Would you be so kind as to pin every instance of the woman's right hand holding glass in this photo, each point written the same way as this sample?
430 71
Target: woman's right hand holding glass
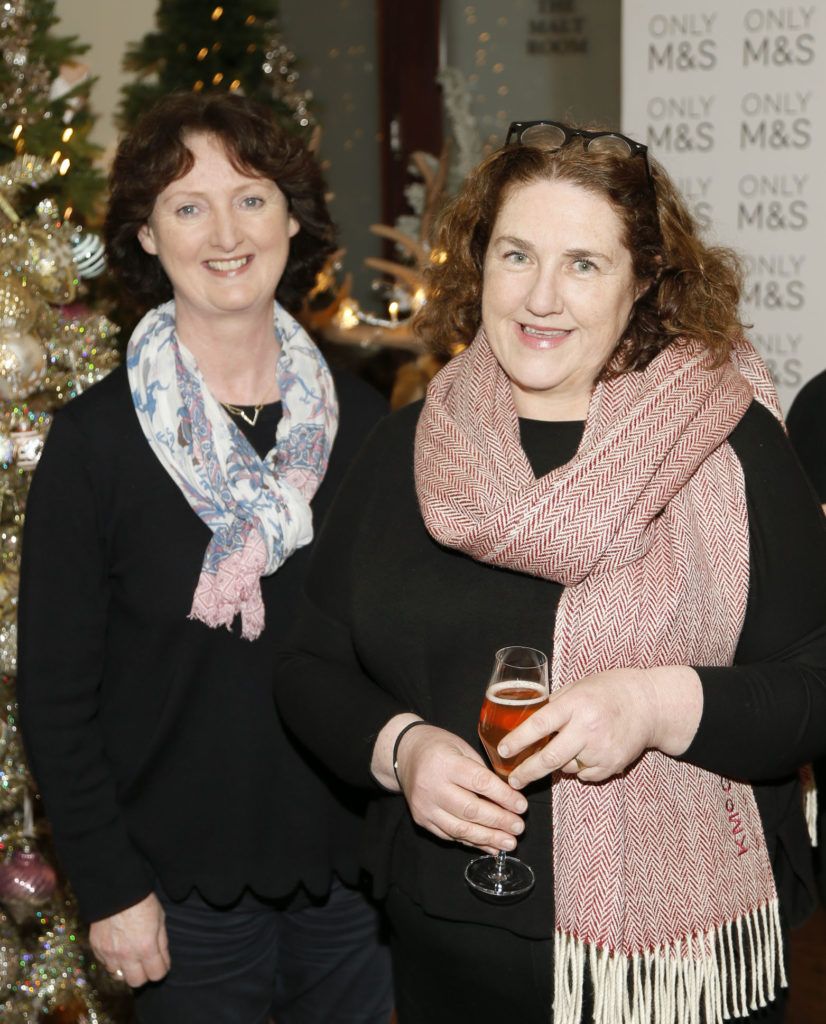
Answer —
450 790
600 724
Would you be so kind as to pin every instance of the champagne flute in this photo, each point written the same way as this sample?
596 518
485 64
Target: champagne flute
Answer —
516 689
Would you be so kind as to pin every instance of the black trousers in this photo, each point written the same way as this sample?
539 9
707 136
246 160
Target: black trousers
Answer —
246 964
451 972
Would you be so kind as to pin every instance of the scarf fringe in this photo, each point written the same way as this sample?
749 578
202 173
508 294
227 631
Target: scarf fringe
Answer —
726 973
810 810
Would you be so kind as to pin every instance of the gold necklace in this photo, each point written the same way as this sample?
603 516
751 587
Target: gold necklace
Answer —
236 410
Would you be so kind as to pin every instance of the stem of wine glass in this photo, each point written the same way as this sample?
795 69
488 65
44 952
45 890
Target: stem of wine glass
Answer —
501 867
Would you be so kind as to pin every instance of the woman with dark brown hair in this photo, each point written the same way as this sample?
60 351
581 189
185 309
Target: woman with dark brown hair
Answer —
601 475
166 540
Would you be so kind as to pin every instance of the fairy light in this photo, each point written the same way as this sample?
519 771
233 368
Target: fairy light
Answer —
235 84
346 316
67 213
250 19
202 53
218 78
393 310
67 134
198 86
216 14
418 299
18 131
56 156
64 166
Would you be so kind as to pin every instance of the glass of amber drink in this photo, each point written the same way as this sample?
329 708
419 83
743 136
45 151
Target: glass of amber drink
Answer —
516 689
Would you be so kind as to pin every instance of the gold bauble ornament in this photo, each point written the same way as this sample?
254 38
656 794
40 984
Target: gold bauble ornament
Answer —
48 263
17 308
22 364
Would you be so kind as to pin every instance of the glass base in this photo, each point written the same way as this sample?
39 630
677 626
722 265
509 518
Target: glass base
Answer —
498 882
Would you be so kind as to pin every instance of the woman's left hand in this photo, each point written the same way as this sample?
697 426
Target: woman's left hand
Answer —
600 724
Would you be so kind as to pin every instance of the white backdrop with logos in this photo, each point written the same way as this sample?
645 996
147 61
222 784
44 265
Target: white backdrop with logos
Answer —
731 99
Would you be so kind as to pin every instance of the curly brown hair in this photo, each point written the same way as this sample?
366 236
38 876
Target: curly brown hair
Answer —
693 289
155 153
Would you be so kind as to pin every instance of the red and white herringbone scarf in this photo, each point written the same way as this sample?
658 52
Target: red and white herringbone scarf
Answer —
662 878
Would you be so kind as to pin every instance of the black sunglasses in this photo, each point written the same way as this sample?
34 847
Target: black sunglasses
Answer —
554 135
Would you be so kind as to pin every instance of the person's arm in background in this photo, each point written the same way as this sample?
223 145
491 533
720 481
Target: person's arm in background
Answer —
806 423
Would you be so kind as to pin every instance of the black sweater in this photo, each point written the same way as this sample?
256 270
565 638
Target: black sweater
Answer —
391 621
153 738
807 429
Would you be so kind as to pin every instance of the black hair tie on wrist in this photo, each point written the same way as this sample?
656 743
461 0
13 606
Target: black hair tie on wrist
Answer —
407 728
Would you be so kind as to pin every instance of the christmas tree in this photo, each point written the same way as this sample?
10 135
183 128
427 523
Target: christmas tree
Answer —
200 45
44 109
50 350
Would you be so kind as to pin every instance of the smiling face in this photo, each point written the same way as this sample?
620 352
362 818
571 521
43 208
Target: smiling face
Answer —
558 289
222 237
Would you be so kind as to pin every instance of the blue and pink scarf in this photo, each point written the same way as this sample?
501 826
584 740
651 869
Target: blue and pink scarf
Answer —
258 510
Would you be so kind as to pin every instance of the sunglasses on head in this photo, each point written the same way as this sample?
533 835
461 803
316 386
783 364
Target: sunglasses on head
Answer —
553 135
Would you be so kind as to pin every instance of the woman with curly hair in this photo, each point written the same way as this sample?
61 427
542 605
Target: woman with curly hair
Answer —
166 540
601 475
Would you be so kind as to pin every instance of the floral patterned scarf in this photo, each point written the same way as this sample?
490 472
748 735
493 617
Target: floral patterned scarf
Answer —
258 510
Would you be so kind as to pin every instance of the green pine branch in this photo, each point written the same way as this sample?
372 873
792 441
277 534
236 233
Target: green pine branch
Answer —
42 128
193 49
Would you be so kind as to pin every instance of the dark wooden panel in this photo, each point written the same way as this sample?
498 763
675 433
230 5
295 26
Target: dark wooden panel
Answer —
410 107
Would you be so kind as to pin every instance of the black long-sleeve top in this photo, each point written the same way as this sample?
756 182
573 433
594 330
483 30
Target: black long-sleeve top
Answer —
807 429
391 621
154 738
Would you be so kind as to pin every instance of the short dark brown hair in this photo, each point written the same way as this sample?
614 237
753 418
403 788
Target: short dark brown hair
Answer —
690 289
155 153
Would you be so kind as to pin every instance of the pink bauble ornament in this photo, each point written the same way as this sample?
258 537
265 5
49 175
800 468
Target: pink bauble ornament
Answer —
27 878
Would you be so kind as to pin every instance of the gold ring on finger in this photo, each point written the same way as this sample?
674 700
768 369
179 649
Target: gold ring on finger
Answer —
581 765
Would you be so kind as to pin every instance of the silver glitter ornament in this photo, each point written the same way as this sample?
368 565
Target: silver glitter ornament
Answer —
22 363
88 254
